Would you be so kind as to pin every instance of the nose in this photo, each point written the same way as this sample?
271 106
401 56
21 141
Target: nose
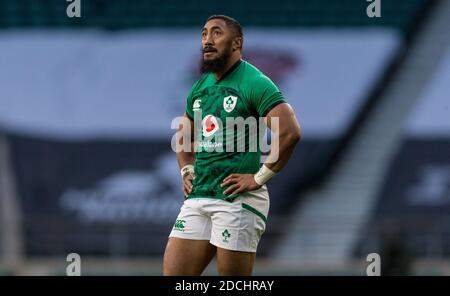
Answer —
207 44
208 41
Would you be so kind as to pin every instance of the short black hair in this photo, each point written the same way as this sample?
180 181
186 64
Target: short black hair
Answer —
231 22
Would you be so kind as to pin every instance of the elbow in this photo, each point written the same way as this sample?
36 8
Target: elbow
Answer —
294 136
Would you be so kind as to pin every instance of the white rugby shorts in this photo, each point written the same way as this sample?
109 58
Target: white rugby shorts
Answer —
236 225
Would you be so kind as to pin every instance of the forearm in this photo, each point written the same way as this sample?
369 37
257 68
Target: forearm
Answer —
185 158
281 152
185 152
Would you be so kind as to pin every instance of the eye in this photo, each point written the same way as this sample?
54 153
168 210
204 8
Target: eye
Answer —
203 34
217 33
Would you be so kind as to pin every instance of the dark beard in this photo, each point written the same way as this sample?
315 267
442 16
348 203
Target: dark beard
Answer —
217 64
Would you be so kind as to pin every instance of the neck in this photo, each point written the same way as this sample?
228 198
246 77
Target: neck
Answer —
233 60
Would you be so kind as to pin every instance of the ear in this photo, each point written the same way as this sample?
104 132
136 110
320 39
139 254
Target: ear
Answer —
237 43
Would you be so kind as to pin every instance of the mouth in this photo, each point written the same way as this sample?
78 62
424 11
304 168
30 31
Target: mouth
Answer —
209 50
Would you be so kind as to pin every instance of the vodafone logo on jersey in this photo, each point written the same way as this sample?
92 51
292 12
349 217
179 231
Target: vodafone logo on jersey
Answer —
210 125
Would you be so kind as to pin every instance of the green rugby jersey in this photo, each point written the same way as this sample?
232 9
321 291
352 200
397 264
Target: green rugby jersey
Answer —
243 92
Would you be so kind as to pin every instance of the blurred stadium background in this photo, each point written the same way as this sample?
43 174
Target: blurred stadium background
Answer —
86 106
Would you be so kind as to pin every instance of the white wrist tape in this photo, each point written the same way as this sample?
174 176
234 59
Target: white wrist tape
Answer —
263 175
189 168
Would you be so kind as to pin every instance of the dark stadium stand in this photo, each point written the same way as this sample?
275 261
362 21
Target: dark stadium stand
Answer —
123 14
413 204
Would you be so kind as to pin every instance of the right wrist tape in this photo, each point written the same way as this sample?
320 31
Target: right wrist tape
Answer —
187 169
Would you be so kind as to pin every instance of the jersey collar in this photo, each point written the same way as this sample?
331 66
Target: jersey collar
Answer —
232 68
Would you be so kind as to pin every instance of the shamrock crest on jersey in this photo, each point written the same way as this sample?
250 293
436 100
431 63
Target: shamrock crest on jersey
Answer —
229 103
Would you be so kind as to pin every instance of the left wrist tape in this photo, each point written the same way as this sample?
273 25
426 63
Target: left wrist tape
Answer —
264 175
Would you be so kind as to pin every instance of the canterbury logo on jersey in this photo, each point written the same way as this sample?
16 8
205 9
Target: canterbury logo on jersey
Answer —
210 125
196 106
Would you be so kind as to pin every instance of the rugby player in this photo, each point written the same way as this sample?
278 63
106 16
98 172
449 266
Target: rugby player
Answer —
226 201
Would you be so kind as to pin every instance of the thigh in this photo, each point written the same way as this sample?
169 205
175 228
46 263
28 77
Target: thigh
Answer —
192 223
236 227
236 231
188 250
186 256
235 263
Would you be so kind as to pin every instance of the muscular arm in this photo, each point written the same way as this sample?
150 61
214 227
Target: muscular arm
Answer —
286 135
185 132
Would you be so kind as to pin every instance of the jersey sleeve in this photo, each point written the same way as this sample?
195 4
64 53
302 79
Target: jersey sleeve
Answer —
189 103
265 95
190 97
